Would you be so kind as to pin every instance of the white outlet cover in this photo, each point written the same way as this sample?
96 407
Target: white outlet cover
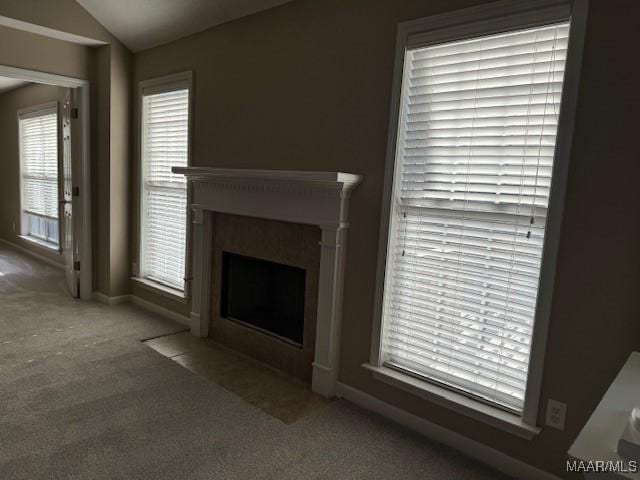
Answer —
556 414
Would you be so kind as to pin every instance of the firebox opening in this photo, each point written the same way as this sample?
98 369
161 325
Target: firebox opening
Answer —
264 295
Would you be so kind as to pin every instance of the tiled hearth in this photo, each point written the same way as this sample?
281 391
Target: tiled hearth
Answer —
273 392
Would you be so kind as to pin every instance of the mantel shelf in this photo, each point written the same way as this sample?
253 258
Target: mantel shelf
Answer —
347 180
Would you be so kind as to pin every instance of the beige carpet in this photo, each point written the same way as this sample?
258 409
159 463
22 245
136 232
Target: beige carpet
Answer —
82 398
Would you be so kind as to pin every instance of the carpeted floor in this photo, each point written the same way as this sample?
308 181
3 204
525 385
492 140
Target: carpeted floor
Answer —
82 398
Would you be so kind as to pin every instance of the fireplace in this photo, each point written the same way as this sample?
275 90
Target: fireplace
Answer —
267 296
317 200
264 290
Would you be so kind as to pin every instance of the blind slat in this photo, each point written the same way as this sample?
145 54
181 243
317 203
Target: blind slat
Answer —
39 152
165 145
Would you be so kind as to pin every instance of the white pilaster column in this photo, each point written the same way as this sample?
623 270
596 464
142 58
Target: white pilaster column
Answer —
325 365
201 300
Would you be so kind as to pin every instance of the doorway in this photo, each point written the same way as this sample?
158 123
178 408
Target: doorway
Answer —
49 212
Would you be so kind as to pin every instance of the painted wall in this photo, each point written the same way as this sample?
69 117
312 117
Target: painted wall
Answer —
108 68
119 191
307 86
10 103
35 52
110 177
29 51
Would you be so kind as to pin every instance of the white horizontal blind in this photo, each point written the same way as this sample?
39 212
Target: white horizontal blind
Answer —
475 152
43 228
39 151
165 137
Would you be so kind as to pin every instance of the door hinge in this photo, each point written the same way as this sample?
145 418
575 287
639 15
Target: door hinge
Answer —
76 266
74 113
75 191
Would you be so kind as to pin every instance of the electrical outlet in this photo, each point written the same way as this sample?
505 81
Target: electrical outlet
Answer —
556 414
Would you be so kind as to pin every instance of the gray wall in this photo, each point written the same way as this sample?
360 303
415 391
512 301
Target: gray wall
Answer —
307 86
108 69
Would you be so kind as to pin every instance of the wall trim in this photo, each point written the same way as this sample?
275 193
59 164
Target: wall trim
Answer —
476 450
49 32
42 258
102 298
144 304
158 310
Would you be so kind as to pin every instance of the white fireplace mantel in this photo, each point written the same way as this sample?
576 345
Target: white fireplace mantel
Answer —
316 198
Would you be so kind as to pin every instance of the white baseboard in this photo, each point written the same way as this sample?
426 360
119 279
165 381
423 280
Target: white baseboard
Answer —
472 448
33 254
102 298
158 310
144 304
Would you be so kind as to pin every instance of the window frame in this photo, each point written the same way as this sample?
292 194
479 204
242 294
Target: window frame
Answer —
24 114
458 25
167 83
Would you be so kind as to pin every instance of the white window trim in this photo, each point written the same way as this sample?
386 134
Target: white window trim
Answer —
484 20
24 114
167 83
160 289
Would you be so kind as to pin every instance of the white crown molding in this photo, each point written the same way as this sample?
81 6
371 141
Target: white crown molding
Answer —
315 198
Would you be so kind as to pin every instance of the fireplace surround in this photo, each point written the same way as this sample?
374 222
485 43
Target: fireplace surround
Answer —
312 198
292 245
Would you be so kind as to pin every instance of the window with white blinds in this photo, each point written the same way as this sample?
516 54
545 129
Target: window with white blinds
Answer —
165 144
474 160
39 173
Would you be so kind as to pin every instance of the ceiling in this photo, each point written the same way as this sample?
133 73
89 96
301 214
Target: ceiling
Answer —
142 24
7 84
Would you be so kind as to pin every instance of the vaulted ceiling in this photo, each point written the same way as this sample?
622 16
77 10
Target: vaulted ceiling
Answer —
142 24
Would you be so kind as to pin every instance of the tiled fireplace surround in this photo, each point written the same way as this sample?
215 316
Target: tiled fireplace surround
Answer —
277 216
287 243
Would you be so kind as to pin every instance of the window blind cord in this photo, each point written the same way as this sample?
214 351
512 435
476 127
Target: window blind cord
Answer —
404 212
550 77
465 203
401 209
534 56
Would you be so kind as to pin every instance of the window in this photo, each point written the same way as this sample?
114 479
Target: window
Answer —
165 144
38 130
470 194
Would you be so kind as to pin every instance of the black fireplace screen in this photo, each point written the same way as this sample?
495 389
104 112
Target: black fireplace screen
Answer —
266 295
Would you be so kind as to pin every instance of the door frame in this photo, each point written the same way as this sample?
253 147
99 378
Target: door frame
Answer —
84 199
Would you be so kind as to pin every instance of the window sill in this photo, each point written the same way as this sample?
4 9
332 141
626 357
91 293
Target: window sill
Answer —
454 401
41 243
160 289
